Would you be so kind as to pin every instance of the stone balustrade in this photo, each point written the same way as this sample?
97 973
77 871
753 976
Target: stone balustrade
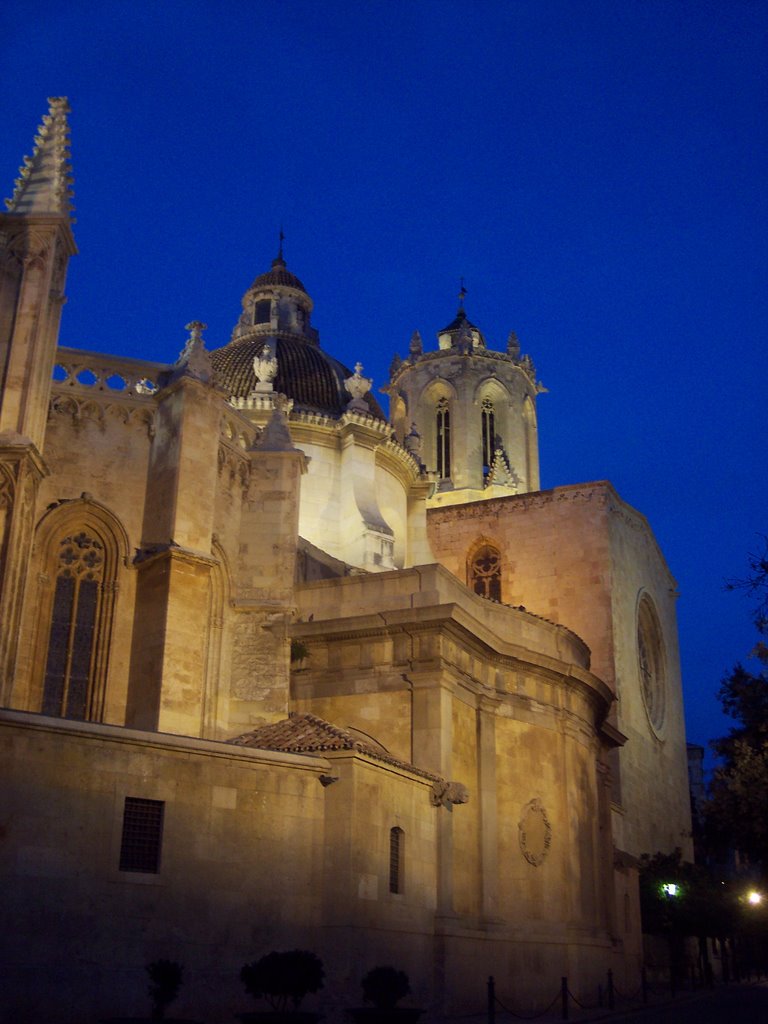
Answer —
115 375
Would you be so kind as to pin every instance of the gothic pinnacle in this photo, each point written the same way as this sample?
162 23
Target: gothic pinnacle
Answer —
44 185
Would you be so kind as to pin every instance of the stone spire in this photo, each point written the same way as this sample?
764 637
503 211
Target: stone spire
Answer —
44 185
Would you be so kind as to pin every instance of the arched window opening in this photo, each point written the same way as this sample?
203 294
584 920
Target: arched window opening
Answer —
443 435
396 852
69 669
485 573
489 435
263 312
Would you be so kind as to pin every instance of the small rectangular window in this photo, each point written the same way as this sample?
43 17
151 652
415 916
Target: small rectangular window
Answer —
142 835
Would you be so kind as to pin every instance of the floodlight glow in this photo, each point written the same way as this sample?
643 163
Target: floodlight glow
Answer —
754 898
670 889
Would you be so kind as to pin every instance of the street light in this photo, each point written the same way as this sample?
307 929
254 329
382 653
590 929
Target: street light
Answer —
670 888
754 898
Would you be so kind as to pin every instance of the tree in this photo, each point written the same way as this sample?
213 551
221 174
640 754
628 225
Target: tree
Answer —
737 811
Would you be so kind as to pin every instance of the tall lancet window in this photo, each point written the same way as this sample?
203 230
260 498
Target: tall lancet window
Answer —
485 573
443 436
70 688
489 435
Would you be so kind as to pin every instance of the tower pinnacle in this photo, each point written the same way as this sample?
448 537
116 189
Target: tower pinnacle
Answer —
44 185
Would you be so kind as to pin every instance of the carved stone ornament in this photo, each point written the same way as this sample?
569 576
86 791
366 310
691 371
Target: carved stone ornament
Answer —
358 386
445 794
265 367
194 361
416 346
534 832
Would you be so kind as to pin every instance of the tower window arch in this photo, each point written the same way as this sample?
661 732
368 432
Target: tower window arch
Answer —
484 572
443 438
488 425
263 312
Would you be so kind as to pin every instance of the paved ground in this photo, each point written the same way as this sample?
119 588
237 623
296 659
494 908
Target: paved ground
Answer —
732 1004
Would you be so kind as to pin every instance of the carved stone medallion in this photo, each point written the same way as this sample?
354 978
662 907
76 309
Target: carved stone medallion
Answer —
535 832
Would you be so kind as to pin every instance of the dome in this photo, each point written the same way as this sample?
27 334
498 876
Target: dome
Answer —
278 277
312 378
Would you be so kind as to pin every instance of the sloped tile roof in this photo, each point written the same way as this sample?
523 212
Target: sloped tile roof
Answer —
307 734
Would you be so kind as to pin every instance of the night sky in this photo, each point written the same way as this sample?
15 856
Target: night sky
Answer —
596 171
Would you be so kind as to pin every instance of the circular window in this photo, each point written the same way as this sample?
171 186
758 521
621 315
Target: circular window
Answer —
650 663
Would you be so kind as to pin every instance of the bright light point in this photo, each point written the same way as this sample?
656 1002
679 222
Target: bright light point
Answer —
754 898
670 889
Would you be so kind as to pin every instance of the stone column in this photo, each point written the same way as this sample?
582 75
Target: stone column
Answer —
170 640
263 600
21 470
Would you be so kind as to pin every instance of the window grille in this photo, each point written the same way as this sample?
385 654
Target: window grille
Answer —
142 835
485 573
396 840
443 436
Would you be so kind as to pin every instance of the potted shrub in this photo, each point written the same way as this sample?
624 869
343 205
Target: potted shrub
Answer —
384 987
283 980
165 977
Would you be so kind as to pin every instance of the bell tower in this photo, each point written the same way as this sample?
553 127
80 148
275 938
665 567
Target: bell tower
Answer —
35 245
470 411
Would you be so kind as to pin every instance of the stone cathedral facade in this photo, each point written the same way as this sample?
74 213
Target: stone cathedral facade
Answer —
278 670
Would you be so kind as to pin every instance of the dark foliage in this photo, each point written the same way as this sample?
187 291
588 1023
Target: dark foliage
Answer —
385 987
283 978
164 983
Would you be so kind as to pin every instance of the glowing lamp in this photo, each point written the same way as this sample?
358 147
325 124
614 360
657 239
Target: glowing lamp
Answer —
670 889
754 898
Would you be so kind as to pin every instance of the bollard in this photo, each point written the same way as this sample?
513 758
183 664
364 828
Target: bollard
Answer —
491 999
644 984
610 989
564 997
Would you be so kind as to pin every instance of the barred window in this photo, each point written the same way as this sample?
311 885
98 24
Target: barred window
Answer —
142 835
396 842
484 572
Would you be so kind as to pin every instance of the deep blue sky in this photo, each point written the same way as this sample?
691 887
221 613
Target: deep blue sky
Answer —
595 170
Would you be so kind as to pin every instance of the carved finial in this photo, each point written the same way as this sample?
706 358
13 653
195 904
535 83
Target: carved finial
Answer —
358 386
413 443
193 359
265 366
501 472
395 365
44 184
416 346
462 294
464 342
513 345
276 437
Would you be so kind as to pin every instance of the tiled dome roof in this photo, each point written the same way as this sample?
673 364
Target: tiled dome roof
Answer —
278 276
312 378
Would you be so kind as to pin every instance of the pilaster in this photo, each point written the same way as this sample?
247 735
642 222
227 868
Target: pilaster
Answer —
21 470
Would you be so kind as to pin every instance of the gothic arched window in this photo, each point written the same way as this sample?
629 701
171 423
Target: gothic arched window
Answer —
75 605
489 434
485 573
443 437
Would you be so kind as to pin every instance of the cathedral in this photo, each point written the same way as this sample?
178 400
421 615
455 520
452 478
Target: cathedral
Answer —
280 670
